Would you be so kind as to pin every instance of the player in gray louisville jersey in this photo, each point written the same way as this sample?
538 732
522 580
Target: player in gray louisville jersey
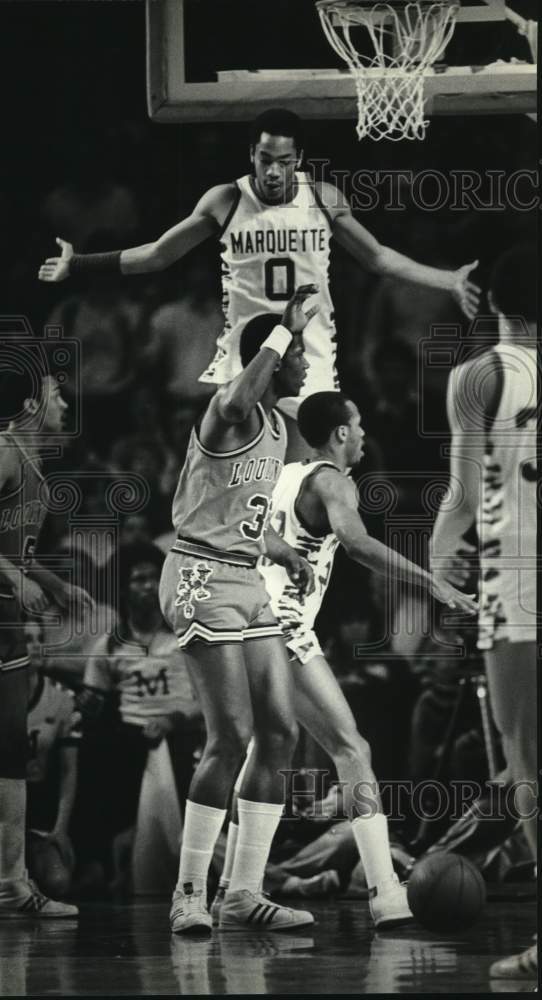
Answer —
274 228
31 401
213 597
315 508
493 415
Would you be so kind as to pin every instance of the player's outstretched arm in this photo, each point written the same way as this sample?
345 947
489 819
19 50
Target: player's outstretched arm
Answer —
383 260
206 219
340 501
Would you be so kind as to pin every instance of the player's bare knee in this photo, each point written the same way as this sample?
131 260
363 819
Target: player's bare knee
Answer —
279 736
230 742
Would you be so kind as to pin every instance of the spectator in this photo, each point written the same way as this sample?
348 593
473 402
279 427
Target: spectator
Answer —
143 455
90 201
106 322
53 738
135 528
183 335
397 418
140 672
69 641
179 418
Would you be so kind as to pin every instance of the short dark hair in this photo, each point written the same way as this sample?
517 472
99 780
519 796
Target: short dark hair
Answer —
254 333
320 414
514 282
278 121
23 366
118 570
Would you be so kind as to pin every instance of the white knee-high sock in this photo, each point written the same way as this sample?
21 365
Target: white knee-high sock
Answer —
12 829
231 844
373 843
202 825
258 822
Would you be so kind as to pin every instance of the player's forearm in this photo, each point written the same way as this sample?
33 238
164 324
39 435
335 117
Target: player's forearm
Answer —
276 548
381 559
9 573
390 262
155 256
141 260
68 785
48 581
239 398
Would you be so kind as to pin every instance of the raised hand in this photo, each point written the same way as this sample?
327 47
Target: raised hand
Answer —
57 268
294 318
465 292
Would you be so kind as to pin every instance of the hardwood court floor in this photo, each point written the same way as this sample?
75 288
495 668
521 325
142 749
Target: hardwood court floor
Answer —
128 951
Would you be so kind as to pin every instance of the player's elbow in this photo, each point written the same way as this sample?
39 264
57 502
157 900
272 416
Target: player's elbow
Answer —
347 541
353 551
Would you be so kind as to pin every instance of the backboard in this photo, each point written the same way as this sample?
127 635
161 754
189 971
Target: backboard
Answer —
212 60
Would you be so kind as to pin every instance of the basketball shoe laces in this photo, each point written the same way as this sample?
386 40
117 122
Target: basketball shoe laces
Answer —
191 899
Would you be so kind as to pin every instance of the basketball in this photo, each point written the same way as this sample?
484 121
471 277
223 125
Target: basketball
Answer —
446 892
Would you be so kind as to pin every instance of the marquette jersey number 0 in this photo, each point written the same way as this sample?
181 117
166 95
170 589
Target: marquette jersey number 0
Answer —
267 252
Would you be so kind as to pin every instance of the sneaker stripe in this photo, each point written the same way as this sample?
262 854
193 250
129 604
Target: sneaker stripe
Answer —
34 903
253 915
269 917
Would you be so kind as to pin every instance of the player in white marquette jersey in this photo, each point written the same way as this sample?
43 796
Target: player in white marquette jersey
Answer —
315 508
493 414
274 228
213 597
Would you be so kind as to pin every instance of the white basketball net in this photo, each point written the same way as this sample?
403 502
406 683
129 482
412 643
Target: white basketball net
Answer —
408 39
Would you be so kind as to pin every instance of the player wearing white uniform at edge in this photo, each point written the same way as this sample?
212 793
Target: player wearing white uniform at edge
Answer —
315 508
274 228
493 414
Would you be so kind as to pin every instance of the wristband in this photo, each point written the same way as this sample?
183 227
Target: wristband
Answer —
95 263
278 340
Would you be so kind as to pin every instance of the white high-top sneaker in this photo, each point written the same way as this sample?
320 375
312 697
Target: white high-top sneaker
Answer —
389 905
522 966
244 909
189 911
23 899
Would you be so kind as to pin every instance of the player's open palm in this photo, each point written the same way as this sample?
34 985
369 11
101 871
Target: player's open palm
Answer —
57 268
465 292
454 598
294 317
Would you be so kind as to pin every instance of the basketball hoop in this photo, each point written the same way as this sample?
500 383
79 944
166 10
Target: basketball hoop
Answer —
407 39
